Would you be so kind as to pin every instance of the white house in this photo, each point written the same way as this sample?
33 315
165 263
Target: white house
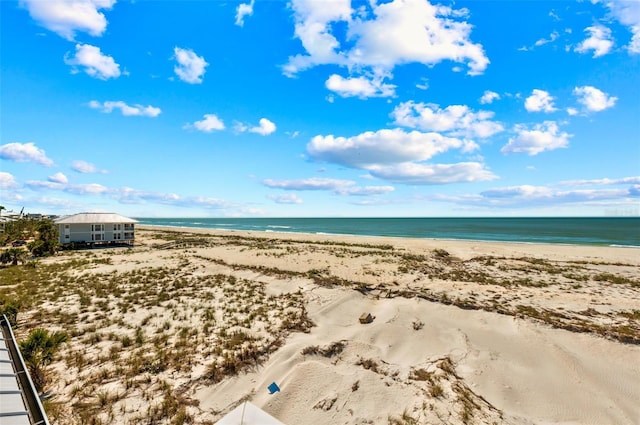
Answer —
96 228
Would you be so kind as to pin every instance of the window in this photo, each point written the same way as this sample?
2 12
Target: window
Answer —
117 227
97 227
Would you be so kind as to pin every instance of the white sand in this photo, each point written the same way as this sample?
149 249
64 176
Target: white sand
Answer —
530 372
504 368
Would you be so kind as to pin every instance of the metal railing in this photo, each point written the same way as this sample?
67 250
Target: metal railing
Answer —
35 410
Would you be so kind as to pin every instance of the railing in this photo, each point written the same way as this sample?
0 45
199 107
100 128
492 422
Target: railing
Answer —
35 411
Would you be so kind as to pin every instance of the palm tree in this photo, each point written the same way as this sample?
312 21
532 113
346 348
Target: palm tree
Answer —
10 308
38 351
13 256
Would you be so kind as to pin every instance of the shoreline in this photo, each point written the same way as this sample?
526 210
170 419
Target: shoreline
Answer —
188 228
626 253
582 231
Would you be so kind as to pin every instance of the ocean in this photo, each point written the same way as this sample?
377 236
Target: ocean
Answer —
603 231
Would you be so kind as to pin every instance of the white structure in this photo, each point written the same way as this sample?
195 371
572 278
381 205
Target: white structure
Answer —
96 228
248 414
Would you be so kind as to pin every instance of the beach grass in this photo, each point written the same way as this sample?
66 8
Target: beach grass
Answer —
151 324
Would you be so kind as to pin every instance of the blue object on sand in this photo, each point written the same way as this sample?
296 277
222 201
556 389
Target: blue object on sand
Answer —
273 388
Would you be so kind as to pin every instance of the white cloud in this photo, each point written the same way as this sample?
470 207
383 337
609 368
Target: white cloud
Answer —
243 9
593 99
456 120
313 27
397 156
65 17
425 174
24 152
40 185
85 167
208 124
539 100
314 183
628 14
362 87
287 198
489 96
58 178
527 195
387 35
365 190
7 181
572 111
380 147
337 186
87 189
599 40
517 191
127 110
190 67
543 137
552 37
127 195
634 44
95 63
264 128
634 180
552 196
423 84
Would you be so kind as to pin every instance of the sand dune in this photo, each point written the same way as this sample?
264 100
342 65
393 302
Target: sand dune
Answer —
186 325
528 372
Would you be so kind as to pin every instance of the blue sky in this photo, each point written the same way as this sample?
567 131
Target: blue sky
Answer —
320 107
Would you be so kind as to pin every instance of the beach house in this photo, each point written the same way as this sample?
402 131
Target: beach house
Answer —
96 229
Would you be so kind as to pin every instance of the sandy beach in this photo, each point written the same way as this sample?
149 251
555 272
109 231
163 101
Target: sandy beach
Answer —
189 323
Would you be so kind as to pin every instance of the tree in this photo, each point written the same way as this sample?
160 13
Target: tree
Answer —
46 242
13 256
20 229
10 308
38 351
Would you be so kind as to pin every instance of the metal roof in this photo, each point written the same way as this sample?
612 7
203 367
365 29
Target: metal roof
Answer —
93 218
248 413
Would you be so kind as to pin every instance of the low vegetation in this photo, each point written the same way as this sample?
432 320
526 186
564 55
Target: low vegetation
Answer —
27 237
138 331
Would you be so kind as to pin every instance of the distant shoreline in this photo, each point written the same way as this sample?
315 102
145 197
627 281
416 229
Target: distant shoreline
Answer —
240 225
464 248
